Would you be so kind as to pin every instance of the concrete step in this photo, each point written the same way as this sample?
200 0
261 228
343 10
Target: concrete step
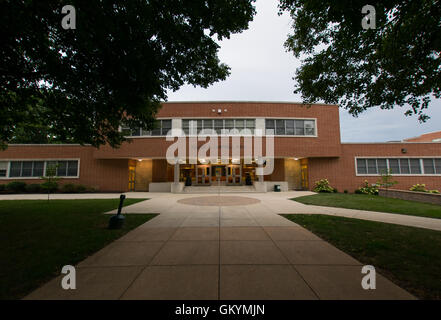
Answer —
219 189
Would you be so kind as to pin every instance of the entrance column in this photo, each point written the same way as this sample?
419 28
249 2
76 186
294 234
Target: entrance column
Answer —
176 186
260 177
260 184
176 173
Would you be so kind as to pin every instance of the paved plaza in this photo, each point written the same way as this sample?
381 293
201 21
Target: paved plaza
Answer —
224 247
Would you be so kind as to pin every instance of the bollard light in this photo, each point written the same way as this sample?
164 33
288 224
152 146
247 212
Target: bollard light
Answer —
117 221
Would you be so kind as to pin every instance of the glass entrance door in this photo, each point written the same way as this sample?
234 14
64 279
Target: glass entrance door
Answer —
234 175
132 178
203 175
304 170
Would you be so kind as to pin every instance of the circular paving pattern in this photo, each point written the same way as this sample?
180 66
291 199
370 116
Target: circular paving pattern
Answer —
219 201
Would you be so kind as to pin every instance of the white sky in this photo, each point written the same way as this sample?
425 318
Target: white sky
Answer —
262 70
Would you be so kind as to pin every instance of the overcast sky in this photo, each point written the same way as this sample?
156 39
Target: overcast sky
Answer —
261 70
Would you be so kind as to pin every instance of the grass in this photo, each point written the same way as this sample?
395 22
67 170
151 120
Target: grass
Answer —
39 237
410 257
372 203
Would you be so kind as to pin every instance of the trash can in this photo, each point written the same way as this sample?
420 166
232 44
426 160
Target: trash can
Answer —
277 188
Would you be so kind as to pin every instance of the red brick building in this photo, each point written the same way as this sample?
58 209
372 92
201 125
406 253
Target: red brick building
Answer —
307 148
427 137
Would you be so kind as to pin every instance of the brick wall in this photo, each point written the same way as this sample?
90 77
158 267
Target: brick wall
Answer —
327 144
341 171
105 175
428 137
411 195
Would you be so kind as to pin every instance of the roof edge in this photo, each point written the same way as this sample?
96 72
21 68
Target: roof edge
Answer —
250 101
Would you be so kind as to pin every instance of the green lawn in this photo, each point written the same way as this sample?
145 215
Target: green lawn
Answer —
410 257
38 237
372 203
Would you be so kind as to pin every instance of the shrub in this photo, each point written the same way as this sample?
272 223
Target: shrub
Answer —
422 188
74 188
346 191
367 189
2 188
80 188
68 188
323 186
33 188
16 187
92 189
418 188
50 186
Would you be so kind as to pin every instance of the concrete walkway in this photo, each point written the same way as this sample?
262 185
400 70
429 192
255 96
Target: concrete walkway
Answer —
271 203
197 250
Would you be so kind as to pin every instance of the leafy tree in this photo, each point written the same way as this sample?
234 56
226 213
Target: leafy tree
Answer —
386 180
396 63
81 84
50 178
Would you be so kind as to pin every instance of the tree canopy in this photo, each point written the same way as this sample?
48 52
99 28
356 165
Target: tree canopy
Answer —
81 84
395 64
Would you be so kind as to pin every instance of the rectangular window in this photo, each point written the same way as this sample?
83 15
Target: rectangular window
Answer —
394 166
403 166
35 169
38 169
190 127
136 132
280 127
361 166
208 124
161 128
239 124
289 127
372 166
250 125
3 168
218 125
382 166
26 169
299 127
61 168
186 126
270 127
229 124
165 127
157 128
438 166
51 168
415 166
15 170
145 132
309 128
194 127
72 168
429 166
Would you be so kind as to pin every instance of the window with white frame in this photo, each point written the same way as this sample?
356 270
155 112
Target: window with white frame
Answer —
3 168
290 127
162 127
38 168
194 126
401 166
64 168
